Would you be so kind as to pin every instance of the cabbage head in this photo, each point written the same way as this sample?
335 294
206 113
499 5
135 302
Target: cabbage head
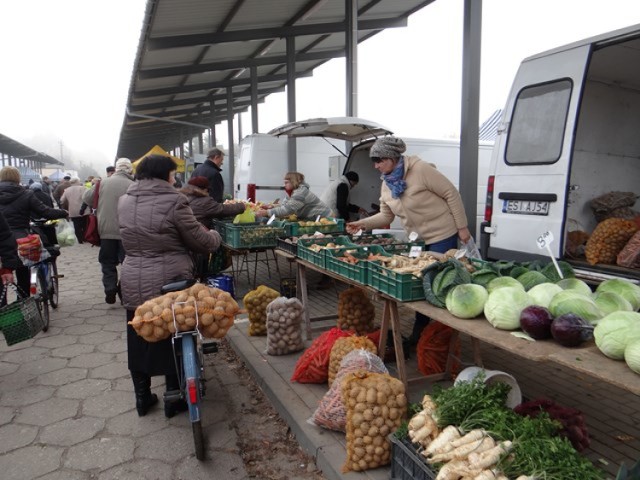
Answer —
575 284
467 300
624 288
531 279
501 282
632 355
571 301
542 294
610 302
504 305
615 331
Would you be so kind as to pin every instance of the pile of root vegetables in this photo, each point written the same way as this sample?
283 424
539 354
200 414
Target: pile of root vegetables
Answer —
466 432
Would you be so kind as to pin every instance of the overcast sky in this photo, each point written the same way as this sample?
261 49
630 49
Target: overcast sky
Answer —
63 61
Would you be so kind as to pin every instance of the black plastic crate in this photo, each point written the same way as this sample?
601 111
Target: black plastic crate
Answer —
285 246
406 462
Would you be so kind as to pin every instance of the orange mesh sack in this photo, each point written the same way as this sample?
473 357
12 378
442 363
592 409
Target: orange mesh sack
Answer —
355 311
313 365
376 405
331 412
433 349
608 239
342 347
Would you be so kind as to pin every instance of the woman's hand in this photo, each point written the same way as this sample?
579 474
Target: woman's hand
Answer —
7 276
464 234
262 213
353 227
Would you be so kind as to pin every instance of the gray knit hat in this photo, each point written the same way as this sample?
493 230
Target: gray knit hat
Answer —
387 147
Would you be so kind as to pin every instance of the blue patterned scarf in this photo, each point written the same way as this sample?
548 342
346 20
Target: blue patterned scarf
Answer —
394 180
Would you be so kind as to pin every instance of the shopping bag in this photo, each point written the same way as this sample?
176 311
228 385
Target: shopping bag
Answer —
30 250
248 216
91 234
66 233
20 320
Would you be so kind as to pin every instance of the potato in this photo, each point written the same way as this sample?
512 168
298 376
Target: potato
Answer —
206 319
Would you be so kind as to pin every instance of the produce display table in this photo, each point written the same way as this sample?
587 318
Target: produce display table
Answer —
586 359
246 256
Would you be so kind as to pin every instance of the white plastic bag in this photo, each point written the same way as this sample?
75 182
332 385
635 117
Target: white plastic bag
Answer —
66 233
470 249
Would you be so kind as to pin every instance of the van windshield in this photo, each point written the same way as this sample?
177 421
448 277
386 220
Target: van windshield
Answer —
538 123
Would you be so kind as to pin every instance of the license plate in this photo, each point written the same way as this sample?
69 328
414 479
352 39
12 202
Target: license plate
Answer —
525 207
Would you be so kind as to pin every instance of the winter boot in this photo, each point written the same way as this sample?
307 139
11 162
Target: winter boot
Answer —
142 388
171 408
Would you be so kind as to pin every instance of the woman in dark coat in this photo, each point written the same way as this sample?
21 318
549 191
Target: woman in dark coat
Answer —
158 232
19 205
9 260
204 207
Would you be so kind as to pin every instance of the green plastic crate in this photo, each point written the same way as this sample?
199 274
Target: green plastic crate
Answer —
395 247
318 257
401 286
249 235
337 227
357 271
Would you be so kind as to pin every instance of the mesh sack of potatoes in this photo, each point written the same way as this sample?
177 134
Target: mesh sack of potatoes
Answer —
608 239
376 405
331 412
158 318
629 256
342 347
284 326
256 302
355 311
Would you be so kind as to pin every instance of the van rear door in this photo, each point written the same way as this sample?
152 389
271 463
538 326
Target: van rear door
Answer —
533 152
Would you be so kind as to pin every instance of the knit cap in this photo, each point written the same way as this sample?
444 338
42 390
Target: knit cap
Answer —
388 147
124 165
200 182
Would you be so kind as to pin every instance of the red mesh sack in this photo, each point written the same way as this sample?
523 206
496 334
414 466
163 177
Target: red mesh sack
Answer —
313 365
433 349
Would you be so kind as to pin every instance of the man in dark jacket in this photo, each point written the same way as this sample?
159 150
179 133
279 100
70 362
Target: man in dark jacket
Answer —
210 169
8 253
62 186
38 191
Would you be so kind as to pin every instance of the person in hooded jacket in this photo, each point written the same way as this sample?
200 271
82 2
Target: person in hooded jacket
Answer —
301 202
204 207
336 196
40 194
71 200
158 232
19 205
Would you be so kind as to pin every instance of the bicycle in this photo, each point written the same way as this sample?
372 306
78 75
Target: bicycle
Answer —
44 274
189 349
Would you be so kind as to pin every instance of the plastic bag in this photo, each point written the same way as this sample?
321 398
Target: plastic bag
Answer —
248 216
331 412
66 233
30 250
342 347
470 249
284 330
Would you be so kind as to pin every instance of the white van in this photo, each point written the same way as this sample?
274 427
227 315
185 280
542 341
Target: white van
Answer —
570 132
444 154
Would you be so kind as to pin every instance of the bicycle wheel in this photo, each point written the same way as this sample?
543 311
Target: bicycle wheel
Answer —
41 292
52 282
191 366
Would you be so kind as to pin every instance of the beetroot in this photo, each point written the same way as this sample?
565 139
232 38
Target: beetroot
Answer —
536 322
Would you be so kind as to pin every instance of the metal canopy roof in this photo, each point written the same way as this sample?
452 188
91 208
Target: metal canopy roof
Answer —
192 51
13 148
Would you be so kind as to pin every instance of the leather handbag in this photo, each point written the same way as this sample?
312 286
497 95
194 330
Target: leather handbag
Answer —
91 234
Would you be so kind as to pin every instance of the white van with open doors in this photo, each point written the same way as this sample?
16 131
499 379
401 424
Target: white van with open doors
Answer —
444 154
570 132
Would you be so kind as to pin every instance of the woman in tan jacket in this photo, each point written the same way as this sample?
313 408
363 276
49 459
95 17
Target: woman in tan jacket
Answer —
423 198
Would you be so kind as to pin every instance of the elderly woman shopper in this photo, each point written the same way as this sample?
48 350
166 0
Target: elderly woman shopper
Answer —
301 201
158 232
19 205
423 198
71 200
204 207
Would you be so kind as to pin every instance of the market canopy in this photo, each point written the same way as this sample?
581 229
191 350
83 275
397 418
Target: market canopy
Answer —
158 150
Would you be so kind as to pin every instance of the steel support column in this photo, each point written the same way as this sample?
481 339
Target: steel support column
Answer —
212 132
351 51
292 159
230 153
254 99
472 32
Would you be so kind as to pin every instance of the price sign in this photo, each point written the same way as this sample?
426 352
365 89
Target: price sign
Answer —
413 236
271 219
318 218
358 233
544 240
415 251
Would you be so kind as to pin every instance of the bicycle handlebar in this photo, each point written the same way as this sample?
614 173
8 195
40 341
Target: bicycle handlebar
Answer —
179 285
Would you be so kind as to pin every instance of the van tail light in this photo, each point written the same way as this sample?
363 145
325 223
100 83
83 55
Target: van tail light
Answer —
192 391
251 192
488 206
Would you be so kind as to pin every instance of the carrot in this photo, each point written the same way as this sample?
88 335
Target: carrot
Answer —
447 435
421 427
476 434
463 451
451 471
428 404
490 457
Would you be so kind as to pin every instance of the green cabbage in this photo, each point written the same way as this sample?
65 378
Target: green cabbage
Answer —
504 305
531 279
615 331
501 282
624 288
632 355
575 284
572 301
467 300
610 302
543 293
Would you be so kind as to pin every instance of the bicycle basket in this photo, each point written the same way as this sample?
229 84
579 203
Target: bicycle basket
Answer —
20 320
